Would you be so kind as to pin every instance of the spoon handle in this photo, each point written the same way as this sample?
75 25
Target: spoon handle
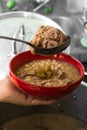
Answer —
18 40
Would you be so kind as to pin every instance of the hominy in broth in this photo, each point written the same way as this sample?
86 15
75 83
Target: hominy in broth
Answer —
48 72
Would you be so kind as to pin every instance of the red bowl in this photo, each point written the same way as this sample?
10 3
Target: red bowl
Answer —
41 91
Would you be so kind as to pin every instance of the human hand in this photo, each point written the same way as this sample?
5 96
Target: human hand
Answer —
11 94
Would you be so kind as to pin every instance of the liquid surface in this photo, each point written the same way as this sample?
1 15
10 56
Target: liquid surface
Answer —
45 121
47 72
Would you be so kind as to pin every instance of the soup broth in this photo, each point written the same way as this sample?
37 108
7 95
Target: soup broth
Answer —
48 72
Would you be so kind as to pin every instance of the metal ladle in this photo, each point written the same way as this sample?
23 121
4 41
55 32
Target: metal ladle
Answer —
43 51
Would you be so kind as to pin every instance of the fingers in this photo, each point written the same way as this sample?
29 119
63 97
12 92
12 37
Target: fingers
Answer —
30 100
42 102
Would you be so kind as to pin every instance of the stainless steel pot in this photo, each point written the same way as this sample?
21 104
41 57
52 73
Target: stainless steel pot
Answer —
9 22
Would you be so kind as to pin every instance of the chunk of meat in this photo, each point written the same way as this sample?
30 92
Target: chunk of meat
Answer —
48 37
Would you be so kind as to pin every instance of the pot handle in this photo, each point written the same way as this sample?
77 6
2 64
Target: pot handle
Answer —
83 82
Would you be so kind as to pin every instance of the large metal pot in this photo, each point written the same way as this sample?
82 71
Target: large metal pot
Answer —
9 23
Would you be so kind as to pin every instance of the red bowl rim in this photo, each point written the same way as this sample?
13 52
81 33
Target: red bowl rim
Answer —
32 86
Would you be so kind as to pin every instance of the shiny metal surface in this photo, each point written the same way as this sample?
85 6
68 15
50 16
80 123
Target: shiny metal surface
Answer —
19 32
25 14
41 5
9 22
73 26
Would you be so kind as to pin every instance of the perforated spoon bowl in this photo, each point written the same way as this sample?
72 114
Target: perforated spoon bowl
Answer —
40 50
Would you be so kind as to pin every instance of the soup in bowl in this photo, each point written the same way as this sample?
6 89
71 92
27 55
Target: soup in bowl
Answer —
46 76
